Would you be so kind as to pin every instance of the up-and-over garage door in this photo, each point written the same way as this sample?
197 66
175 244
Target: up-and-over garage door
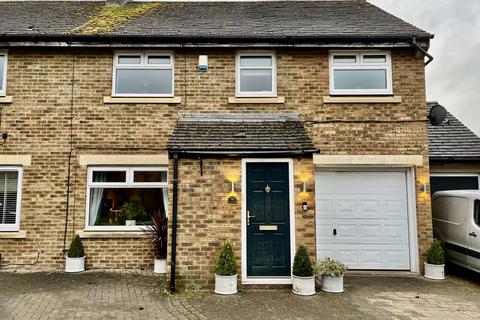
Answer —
362 219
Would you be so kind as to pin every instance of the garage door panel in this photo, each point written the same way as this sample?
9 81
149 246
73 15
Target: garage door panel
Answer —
361 206
361 182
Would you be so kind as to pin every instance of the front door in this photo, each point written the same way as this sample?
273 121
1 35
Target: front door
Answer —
268 220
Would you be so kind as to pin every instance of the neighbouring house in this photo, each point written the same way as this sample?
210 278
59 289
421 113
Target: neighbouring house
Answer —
454 155
270 124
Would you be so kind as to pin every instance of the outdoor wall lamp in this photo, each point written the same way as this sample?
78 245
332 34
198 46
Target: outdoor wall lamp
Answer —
423 187
304 187
232 196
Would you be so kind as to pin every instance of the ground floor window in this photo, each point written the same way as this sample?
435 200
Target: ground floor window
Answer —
10 187
125 198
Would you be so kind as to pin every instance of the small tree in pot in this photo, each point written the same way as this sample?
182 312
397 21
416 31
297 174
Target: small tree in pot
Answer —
75 260
156 235
332 274
435 264
303 277
226 270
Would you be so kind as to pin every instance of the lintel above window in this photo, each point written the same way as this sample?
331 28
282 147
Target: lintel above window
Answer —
256 74
143 74
360 73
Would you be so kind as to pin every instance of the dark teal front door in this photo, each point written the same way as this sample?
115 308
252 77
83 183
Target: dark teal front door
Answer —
268 220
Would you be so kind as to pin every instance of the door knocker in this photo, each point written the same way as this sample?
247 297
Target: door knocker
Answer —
267 189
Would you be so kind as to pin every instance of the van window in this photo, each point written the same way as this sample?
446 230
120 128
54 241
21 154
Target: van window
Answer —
476 212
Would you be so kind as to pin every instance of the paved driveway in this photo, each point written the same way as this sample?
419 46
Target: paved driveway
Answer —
110 295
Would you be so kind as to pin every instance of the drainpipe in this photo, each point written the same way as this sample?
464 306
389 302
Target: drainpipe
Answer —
416 45
174 222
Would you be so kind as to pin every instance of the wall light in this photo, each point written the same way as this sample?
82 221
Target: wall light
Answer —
304 189
232 196
423 187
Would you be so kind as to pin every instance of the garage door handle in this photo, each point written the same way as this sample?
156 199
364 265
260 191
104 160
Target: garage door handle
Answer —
473 234
334 232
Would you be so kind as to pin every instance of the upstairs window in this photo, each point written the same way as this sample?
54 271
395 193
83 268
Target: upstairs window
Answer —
256 74
147 74
3 72
10 187
360 73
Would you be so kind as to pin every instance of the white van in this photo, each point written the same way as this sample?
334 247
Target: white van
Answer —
456 222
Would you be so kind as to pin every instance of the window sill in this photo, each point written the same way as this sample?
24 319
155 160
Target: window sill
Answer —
13 235
256 100
6 99
362 99
85 234
138 100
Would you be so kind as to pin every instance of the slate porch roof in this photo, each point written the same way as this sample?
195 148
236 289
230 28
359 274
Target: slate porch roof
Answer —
233 134
452 141
286 20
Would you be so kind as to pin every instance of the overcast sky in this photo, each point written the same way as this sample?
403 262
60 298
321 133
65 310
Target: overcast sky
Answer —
453 78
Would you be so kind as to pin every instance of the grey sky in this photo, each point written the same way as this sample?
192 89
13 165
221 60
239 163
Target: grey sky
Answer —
453 78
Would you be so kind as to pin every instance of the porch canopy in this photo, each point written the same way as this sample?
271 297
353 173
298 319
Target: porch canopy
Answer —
240 134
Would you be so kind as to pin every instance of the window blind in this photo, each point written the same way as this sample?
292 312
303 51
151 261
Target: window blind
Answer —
8 198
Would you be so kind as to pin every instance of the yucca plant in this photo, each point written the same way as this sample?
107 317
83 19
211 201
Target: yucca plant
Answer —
156 234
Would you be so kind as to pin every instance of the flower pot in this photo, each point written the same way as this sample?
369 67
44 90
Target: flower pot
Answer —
332 284
130 223
159 265
225 284
75 264
303 286
434 271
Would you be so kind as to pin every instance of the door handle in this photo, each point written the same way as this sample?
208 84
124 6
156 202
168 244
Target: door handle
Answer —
473 234
248 217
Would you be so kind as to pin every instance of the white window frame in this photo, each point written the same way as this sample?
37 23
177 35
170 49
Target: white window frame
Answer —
255 94
129 183
16 226
360 65
143 65
3 91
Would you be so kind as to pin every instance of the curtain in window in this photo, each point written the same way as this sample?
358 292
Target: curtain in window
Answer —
165 200
96 196
8 197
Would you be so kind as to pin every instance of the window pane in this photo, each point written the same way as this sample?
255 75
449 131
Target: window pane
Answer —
8 197
158 59
114 206
477 212
129 59
144 81
150 176
360 79
109 176
375 58
253 61
2 65
256 80
345 59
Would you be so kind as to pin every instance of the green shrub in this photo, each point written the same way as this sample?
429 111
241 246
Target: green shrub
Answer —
330 267
435 254
302 265
76 248
226 264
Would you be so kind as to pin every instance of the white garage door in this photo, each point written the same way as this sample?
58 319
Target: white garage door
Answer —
362 219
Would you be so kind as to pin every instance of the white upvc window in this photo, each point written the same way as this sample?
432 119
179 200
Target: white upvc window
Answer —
143 74
3 72
10 198
125 198
360 73
256 74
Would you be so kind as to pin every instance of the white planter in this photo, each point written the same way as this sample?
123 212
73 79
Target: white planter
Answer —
332 284
130 223
434 271
303 286
225 284
75 264
160 265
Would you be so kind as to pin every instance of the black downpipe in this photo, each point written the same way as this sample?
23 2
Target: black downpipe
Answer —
174 222
428 55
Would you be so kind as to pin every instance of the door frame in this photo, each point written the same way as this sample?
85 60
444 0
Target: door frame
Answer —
411 204
267 280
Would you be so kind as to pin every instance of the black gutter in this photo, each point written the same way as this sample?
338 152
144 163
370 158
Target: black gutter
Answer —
173 263
235 153
416 45
453 159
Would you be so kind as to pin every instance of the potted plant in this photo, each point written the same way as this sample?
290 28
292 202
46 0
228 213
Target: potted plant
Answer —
435 264
226 271
156 236
133 208
332 274
75 260
303 277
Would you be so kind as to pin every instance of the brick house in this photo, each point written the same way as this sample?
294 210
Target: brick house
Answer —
270 124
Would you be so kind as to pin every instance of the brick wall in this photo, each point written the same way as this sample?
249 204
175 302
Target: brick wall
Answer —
38 123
